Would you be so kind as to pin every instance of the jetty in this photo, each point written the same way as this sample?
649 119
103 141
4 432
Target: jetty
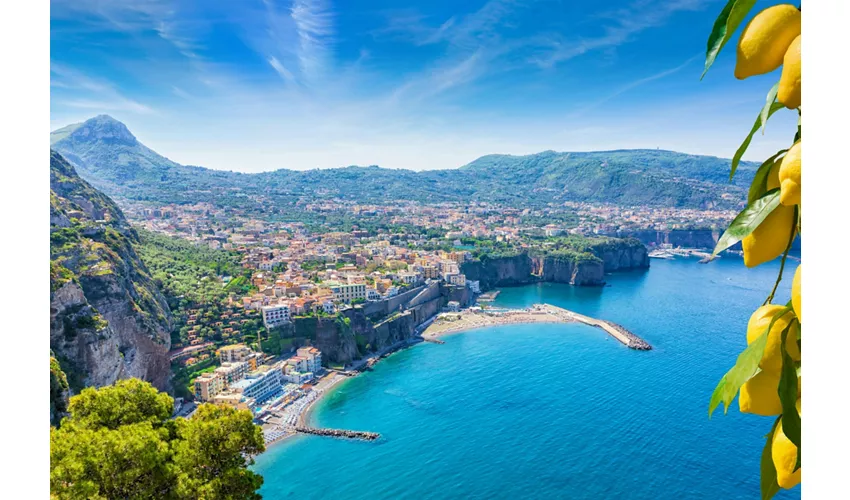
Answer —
619 332
338 433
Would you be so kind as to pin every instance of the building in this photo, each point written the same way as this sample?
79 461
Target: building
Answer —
208 385
313 358
259 385
296 377
276 315
349 292
474 286
453 306
456 279
372 294
232 372
430 272
234 400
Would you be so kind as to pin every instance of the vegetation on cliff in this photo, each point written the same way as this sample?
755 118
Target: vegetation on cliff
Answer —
120 442
103 301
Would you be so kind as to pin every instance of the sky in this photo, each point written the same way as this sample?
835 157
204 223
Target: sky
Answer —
257 85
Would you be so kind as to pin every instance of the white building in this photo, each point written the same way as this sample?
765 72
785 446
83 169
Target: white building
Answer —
372 294
276 315
474 286
456 279
313 358
328 307
259 385
349 292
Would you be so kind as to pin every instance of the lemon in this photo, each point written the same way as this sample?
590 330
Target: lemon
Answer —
765 40
789 176
771 360
760 395
796 294
790 83
785 457
769 240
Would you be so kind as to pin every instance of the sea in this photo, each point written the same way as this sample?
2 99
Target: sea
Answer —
554 410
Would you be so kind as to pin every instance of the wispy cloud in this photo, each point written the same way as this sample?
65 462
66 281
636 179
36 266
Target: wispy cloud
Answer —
314 25
633 85
92 93
623 25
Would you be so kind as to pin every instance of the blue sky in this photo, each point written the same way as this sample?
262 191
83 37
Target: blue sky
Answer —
255 85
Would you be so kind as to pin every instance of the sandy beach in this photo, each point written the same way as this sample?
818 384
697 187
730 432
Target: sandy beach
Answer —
448 323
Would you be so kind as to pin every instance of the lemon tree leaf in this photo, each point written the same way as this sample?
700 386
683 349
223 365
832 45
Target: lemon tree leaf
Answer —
745 368
759 185
788 393
749 219
724 26
769 484
774 107
771 98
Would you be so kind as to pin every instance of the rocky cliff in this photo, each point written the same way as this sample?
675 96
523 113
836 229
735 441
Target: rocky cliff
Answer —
688 238
107 318
583 267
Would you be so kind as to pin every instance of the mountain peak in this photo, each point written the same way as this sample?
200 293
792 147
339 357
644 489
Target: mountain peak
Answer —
103 128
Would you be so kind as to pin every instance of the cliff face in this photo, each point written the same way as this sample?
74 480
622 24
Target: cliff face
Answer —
561 270
581 269
107 318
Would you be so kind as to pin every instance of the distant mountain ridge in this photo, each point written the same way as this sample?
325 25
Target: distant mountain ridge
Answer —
109 156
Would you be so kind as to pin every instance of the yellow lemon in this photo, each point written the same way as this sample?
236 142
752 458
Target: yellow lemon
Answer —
789 176
765 40
790 83
796 294
760 395
771 360
769 240
785 459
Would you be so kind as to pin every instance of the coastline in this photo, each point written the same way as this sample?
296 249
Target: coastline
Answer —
452 323
443 324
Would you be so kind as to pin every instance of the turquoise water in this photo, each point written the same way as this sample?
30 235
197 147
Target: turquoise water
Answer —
553 411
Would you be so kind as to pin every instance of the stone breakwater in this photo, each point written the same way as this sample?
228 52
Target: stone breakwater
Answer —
339 433
633 342
625 337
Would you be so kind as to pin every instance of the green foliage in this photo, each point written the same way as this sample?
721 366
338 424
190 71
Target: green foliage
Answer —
97 453
58 390
127 402
746 367
761 121
791 425
725 25
748 220
759 184
769 484
210 454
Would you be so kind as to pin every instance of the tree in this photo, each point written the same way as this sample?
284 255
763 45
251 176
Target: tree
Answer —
766 377
119 442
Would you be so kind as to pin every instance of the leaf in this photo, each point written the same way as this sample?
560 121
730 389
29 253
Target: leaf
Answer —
746 366
769 484
724 26
771 98
749 219
759 184
788 393
776 106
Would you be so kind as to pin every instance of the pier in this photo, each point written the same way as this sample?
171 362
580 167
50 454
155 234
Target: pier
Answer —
620 333
338 433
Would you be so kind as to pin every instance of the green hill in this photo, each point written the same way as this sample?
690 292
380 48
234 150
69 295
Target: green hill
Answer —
109 156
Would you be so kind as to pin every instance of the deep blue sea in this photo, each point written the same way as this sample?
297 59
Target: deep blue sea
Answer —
553 411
